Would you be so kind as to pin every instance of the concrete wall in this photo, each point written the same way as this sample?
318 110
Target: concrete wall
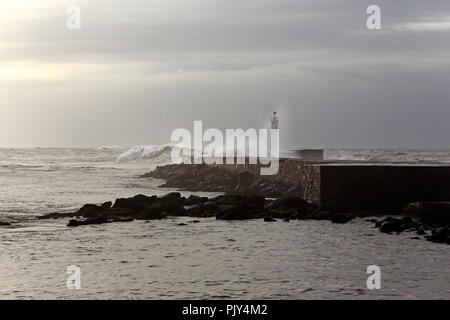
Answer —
383 187
357 186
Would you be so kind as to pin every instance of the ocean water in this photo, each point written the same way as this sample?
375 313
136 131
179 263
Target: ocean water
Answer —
205 259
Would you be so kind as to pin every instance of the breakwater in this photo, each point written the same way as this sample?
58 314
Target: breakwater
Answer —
350 185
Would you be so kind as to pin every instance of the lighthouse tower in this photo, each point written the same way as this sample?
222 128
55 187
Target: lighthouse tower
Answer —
275 121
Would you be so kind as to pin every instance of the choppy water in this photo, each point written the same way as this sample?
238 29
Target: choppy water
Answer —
208 259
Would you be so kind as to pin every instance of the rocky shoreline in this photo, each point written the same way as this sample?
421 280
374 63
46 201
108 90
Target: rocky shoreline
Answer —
235 207
245 197
201 177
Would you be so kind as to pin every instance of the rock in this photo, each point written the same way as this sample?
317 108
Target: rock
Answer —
137 203
3 223
391 225
106 205
73 223
282 214
234 213
291 207
421 231
378 224
56 215
168 207
322 215
203 210
94 220
286 220
193 200
441 235
118 213
173 197
287 203
269 219
89 210
340 218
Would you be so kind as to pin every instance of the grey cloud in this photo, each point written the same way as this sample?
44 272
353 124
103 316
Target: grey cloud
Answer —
230 63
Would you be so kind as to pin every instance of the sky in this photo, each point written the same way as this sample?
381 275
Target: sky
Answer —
139 69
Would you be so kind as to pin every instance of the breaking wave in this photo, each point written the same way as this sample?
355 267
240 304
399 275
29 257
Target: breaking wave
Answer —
143 152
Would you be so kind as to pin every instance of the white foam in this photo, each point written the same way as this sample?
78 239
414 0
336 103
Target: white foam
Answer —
143 152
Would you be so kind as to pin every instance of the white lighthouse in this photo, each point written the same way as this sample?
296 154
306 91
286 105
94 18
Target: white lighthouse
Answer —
275 121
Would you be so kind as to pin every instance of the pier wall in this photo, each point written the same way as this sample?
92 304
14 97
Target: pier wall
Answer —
383 186
359 186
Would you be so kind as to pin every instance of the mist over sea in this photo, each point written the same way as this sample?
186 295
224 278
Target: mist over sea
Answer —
207 259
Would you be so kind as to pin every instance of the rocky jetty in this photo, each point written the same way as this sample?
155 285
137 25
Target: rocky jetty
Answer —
224 207
246 207
201 177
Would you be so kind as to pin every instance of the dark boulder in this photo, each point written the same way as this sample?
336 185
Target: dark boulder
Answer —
269 219
169 207
3 223
441 235
89 210
57 215
174 197
203 210
137 203
99 219
392 225
106 205
118 213
322 215
340 218
287 203
234 213
193 200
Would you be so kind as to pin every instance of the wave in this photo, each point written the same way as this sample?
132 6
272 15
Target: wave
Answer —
143 152
109 147
149 152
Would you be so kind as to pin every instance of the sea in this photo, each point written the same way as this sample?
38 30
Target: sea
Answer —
183 258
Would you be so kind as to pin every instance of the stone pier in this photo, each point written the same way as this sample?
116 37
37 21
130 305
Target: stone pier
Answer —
360 185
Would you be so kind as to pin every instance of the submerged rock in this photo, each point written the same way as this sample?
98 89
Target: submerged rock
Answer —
391 225
340 218
441 235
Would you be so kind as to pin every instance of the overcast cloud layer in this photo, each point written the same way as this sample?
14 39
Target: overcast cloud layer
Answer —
139 69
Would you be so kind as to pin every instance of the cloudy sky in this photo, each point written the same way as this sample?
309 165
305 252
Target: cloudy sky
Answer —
138 69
